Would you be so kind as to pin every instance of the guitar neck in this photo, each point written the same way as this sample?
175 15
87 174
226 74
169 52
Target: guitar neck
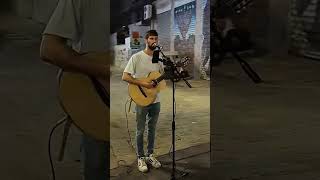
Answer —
162 77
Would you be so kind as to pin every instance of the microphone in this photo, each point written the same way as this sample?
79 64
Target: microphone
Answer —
157 47
155 57
156 51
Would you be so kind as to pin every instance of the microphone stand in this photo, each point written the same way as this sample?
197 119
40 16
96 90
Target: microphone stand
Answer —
174 68
172 71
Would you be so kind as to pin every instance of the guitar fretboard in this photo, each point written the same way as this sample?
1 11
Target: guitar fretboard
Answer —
162 77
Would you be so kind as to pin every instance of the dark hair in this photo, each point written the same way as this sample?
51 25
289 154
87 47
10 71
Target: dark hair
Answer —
150 33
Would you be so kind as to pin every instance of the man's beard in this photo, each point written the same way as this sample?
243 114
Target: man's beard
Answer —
152 47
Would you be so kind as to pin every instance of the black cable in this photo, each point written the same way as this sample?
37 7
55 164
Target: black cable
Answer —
125 109
49 145
129 168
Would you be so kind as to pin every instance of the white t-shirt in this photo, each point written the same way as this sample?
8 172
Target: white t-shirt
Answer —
85 23
140 65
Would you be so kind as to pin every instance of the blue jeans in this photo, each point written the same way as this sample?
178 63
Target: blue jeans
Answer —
95 157
151 113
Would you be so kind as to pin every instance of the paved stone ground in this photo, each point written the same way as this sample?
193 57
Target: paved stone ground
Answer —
267 131
191 163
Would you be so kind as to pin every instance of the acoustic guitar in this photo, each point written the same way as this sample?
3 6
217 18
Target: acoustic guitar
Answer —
87 100
143 96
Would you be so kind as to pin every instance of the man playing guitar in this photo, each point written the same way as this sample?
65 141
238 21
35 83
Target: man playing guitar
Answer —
139 66
77 27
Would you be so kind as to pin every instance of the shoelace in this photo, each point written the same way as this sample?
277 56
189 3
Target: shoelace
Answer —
142 162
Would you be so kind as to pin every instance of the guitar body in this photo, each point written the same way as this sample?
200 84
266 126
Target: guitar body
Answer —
143 96
86 100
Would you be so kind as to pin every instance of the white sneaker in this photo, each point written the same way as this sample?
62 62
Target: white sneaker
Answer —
142 166
153 161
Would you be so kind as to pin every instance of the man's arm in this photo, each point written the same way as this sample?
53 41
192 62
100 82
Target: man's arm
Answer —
128 78
54 50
